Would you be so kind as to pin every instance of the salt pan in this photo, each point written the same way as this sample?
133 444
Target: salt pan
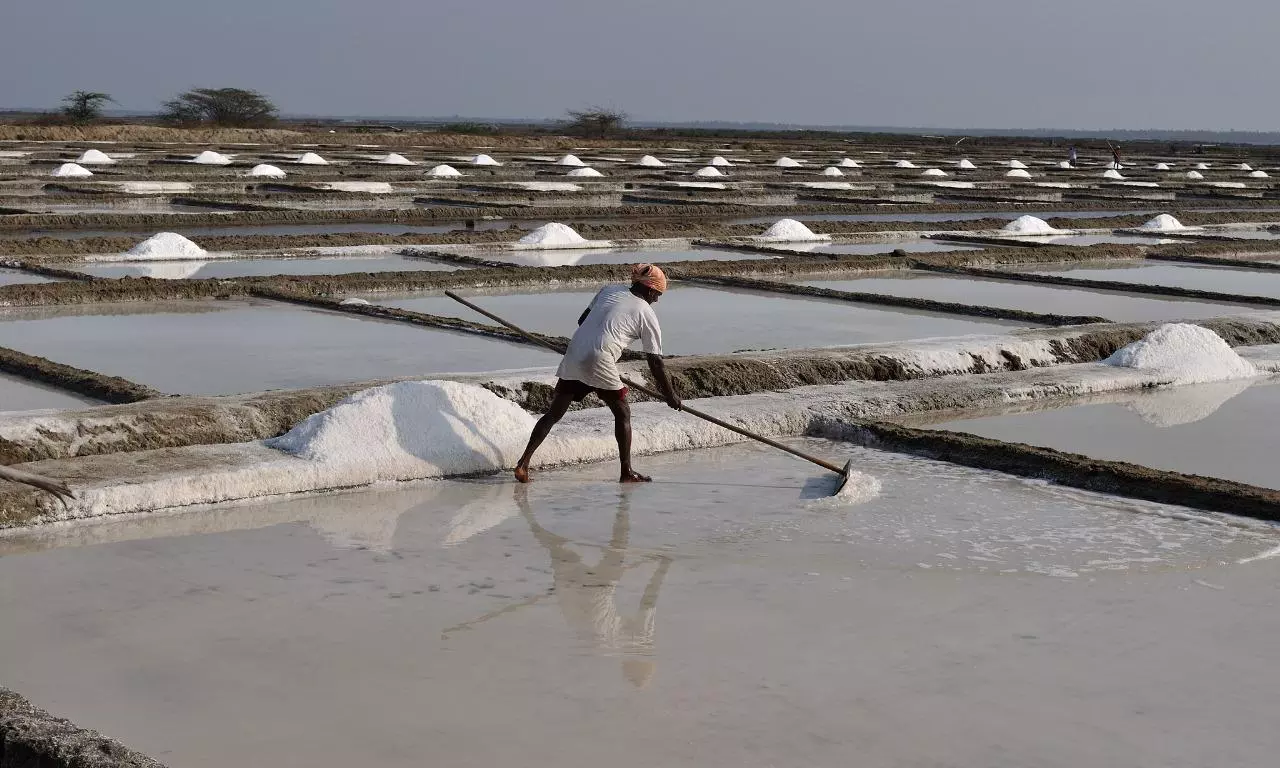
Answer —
790 230
570 160
71 170
311 158
269 171
585 172
396 159
1030 225
165 246
1186 354
94 157
444 171
209 157
484 160
553 234
710 170
649 161
1018 173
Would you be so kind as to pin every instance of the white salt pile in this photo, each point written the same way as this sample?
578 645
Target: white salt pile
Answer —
1111 173
71 170
552 235
311 158
1195 175
1163 223
966 165
710 170
649 161
585 172
786 162
1114 166
570 160
1065 164
849 163
1029 225
1018 173
1016 164
1259 175
1244 167
934 172
832 171
791 231
720 161
396 159
94 157
165 246
1202 166
270 171
483 159
209 157
905 164
354 302
1186 354
413 429
1161 166
444 171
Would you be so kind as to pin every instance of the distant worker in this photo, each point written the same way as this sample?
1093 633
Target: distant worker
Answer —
617 316
1115 158
1072 156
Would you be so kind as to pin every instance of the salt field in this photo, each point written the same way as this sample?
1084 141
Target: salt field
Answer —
1062 300
1223 429
1240 282
239 346
649 625
17 394
320 265
759 321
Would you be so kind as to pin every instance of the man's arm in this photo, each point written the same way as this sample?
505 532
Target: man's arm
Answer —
659 371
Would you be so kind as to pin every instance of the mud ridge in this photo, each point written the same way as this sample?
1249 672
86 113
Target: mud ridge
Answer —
32 738
99 386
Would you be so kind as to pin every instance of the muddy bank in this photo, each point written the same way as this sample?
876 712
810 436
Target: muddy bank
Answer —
125 289
108 389
1074 470
32 738
1219 261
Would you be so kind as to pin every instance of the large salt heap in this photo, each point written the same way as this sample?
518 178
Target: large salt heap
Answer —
720 161
269 171
1161 166
786 162
709 170
1112 173
71 171
570 160
411 430
165 246
1244 167
483 159
1184 354
589 173
1259 175
849 163
1029 225
94 157
552 235
1018 173
936 172
1016 164
832 171
1163 223
966 165
1202 166
396 159
311 158
791 231
209 157
1195 175
649 161
1065 164
905 164
444 172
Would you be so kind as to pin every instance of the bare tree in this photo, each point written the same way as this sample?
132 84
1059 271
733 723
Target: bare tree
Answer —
83 107
596 121
232 107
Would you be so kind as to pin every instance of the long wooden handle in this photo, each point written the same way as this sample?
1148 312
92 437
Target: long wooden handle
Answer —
641 388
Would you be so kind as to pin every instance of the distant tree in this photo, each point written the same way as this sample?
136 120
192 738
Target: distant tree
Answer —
596 121
231 107
83 107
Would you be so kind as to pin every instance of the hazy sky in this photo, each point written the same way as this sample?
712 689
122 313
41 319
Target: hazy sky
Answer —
929 63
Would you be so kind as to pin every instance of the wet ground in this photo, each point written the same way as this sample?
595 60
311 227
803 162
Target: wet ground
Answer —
1119 307
1241 282
224 347
18 277
328 265
1225 429
707 321
715 618
18 394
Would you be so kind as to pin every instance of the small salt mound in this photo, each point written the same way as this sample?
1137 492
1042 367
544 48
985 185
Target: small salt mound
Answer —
720 161
71 170
1244 167
1016 164
311 158
1111 173
1163 223
1161 166
1065 164
414 429
786 162
934 172
832 171
848 163
1195 175
966 165
94 157
649 161
484 160
1202 166
858 488
270 171
209 157
905 164
1029 225
354 302
553 234
790 230
1259 175
442 171
587 172
165 246
710 170
396 159
1186 354
570 160
1018 173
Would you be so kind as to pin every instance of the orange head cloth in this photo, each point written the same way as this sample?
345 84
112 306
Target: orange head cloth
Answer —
650 275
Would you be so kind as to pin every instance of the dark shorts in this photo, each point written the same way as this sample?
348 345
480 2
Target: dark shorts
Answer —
579 390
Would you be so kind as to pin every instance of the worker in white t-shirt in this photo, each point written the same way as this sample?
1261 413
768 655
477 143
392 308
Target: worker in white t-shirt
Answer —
617 316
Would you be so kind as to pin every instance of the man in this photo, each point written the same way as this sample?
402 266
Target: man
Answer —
617 316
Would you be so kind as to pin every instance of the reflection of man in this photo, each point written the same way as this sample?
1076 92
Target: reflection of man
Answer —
587 593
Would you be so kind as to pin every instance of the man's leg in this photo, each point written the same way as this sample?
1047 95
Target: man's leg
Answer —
564 398
617 402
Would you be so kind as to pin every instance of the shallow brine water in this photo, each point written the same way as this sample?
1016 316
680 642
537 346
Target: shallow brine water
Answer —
1240 282
17 394
574 257
327 265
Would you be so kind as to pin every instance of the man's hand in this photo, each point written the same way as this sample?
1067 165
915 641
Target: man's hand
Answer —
673 400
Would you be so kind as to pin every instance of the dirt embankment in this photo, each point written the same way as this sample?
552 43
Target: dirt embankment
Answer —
32 738
109 389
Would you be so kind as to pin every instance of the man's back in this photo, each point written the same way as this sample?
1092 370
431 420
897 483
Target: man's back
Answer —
615 318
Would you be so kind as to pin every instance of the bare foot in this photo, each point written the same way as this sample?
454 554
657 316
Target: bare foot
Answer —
522 473
634 477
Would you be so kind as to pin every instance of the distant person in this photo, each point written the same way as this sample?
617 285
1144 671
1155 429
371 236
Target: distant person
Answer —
617 316
1072 156
1115 158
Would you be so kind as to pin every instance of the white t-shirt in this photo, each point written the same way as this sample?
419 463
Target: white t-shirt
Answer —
617 318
